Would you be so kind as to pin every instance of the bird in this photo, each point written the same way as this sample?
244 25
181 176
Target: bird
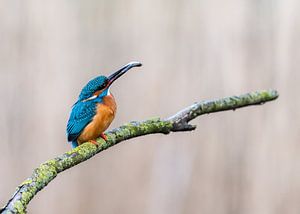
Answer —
94 109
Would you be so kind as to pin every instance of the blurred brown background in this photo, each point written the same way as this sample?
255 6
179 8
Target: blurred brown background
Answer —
245 161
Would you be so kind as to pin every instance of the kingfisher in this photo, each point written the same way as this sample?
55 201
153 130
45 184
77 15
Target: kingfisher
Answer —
95 109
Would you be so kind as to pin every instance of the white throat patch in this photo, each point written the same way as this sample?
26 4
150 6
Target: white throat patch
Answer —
90 98
95 96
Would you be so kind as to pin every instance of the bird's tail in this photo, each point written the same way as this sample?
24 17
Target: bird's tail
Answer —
74 144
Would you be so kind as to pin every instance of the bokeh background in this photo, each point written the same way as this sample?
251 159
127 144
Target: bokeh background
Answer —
246 161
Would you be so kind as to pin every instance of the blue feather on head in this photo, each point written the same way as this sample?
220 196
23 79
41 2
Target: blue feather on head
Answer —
92 86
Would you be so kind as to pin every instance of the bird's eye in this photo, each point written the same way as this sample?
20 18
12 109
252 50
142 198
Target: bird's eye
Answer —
105 83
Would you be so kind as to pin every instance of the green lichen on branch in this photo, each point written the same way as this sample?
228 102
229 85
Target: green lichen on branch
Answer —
47 171
181 120
254 98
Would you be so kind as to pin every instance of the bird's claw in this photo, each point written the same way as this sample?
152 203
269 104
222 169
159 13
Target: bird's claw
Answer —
103 136
94 142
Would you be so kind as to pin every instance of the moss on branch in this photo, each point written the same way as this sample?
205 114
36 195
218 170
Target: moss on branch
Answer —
47 171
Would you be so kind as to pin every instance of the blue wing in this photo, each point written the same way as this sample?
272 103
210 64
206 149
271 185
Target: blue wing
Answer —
81 115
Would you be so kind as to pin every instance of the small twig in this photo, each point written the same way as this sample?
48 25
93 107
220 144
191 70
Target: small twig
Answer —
47 171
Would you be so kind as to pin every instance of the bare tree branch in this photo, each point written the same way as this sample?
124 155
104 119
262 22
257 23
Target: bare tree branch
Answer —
47 171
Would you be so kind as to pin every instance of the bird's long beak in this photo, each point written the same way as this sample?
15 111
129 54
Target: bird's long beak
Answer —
122 71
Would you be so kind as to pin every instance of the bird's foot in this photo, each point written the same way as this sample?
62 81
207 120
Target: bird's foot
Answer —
94 142
103 136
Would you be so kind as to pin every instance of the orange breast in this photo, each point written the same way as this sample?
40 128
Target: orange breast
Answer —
104 116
